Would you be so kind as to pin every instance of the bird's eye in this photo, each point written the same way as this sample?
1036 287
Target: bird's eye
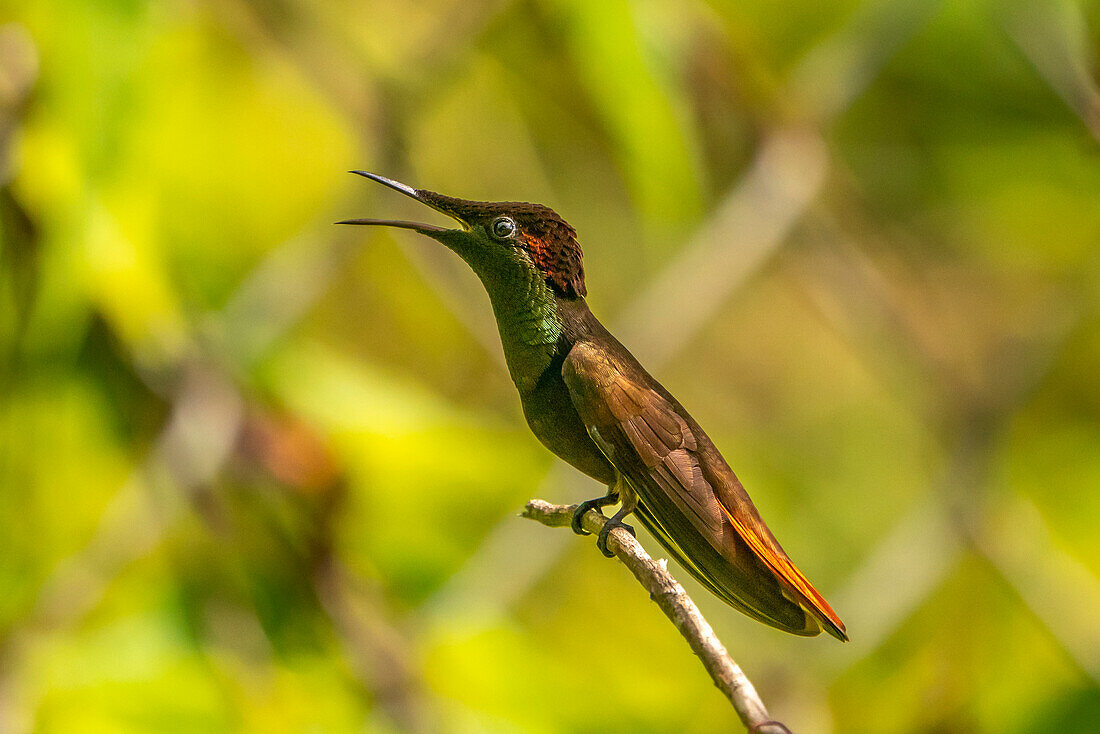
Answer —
503 228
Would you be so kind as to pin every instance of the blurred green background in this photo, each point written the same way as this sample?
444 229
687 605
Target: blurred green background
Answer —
262 474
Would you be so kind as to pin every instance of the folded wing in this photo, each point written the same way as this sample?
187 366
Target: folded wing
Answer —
688 496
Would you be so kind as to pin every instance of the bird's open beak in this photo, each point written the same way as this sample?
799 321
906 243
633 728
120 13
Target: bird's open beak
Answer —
430 230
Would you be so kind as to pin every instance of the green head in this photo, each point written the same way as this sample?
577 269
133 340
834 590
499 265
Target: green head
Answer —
494 233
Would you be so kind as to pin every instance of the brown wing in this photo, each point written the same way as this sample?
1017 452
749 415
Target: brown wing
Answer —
689 497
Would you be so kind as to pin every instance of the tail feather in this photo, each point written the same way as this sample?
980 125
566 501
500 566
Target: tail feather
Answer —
717 584
806 595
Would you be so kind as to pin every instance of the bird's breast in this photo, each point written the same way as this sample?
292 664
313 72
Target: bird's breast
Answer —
554 421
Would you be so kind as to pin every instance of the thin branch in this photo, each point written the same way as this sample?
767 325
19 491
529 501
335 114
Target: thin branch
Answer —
677 606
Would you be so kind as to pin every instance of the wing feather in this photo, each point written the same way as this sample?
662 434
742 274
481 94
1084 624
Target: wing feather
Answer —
691 500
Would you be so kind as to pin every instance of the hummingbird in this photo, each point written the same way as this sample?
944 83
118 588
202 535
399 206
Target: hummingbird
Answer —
589 401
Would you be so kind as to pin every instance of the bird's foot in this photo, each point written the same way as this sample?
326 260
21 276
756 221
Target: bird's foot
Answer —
601 539
596 504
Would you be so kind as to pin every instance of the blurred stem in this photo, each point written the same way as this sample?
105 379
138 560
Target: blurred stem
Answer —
674 601
380 654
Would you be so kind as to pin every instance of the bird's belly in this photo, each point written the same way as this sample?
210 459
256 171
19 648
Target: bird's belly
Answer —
554 421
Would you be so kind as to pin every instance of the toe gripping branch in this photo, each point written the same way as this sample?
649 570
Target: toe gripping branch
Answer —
616 520
582 509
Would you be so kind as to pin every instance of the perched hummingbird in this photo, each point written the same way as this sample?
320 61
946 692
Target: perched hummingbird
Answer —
588 400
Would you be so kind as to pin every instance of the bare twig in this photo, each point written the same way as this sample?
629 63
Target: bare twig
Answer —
677 606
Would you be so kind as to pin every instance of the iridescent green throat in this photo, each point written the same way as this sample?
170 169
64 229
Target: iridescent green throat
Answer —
527 315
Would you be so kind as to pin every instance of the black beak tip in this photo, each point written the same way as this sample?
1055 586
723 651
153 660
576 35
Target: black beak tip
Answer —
395 185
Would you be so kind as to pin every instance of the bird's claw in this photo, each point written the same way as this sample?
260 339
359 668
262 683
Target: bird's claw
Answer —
601 539
580 512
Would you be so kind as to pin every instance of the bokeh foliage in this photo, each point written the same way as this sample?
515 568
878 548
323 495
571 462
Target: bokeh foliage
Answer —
258 473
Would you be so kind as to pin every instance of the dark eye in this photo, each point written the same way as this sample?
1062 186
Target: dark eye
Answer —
503 228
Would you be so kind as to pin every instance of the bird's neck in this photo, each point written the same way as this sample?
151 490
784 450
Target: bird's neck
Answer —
527 317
